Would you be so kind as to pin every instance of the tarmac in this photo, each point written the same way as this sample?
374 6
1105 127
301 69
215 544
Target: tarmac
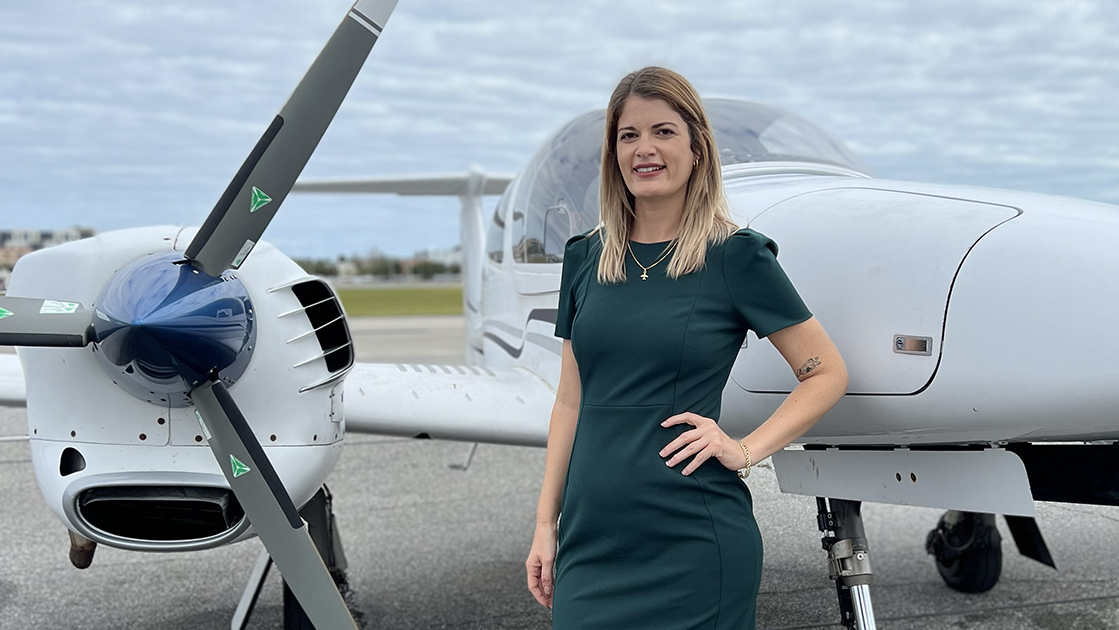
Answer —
430 546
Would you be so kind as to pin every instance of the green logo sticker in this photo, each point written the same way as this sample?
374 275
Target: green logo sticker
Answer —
259 200
5 313
54 307
238 468
243 252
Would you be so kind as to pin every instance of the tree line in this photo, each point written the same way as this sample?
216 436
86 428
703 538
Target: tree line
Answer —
379 266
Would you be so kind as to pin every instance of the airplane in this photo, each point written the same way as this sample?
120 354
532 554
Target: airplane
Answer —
224 381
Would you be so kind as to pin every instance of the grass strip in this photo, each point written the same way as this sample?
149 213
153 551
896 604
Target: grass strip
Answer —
410 300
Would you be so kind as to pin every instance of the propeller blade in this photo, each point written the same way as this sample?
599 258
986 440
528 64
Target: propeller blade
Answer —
268 506
235 224
34 322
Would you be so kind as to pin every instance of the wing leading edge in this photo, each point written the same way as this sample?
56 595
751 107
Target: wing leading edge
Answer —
472 404
472 183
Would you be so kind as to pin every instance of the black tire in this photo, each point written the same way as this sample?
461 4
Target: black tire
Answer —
969 553
294 617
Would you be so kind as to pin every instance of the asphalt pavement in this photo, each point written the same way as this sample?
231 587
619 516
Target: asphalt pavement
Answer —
430 546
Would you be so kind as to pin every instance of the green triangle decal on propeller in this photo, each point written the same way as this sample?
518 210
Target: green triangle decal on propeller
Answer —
238 468
5 313
259 200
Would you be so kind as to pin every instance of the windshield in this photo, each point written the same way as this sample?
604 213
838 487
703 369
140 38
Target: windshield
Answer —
751 132
557 193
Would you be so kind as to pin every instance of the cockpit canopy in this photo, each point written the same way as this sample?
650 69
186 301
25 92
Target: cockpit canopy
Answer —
556 195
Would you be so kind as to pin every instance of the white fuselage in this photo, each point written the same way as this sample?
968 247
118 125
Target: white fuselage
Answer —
1009 291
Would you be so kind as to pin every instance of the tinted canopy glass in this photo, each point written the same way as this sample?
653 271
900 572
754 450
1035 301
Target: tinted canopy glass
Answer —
557 193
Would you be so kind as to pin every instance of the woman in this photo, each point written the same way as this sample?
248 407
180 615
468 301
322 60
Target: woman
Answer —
657 529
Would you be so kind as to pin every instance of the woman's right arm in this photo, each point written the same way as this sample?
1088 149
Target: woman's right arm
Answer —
561 435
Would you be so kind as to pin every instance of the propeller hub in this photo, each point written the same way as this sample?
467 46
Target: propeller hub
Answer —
161 327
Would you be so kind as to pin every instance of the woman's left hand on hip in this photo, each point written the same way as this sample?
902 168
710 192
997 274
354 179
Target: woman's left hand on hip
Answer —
706 440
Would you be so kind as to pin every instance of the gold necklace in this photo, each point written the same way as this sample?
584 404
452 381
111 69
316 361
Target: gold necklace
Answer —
644 269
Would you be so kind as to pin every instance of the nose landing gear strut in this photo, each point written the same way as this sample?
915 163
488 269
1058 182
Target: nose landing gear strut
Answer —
848 559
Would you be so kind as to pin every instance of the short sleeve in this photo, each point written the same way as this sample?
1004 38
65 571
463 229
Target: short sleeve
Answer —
574 254
762 294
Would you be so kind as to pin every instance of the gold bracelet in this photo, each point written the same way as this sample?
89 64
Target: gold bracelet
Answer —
746 452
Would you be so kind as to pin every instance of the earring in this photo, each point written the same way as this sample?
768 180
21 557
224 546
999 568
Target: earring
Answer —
696 163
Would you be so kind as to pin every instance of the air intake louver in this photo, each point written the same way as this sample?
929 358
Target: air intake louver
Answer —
325 314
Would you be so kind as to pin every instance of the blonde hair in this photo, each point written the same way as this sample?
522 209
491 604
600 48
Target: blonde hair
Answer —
706 218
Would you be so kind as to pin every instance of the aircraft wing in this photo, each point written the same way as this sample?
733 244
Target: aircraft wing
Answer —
13 392
449 402
460 184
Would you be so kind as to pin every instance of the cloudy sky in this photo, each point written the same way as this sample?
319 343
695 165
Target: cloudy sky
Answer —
119 113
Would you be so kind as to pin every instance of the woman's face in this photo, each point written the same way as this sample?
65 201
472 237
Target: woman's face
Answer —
654 149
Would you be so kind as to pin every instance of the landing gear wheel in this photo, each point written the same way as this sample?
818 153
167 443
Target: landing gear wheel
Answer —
319 514
294 616
968 551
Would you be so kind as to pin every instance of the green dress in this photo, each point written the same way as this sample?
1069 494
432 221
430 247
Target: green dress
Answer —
642 546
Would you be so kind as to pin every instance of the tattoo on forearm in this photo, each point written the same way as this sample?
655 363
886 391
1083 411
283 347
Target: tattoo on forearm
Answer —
808 366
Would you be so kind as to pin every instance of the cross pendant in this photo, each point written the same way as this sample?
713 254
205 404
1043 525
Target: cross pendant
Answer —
644 276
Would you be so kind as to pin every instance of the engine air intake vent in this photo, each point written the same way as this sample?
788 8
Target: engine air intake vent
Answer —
325 314
160 513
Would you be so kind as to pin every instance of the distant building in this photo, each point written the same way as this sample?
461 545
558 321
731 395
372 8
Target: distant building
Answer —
9 256
347 268
38 239
449 256
17 243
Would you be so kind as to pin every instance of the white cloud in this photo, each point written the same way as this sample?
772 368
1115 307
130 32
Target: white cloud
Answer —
104 102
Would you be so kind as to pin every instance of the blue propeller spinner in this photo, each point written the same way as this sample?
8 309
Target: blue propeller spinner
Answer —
162 327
